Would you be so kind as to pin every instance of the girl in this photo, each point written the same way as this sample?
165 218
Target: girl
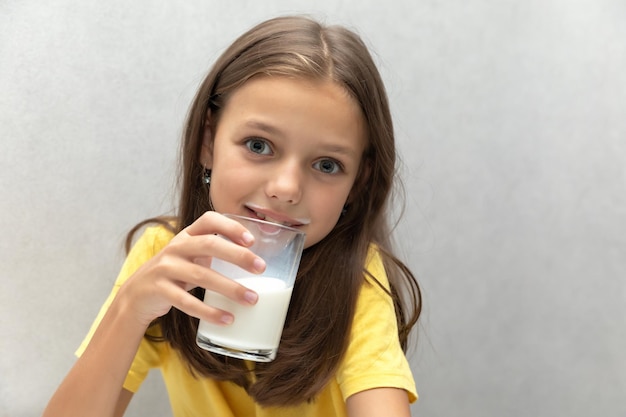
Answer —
291 125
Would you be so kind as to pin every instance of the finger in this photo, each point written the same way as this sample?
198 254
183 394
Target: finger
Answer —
215 223
200 249
194 307
188 275
211 280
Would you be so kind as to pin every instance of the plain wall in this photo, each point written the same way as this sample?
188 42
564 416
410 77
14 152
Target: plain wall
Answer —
510 119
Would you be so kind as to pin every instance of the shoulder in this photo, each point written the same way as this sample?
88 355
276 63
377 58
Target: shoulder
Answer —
374 357
375 273
152 240
158 235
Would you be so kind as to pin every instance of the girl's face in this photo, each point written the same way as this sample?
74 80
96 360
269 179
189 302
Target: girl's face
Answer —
286 150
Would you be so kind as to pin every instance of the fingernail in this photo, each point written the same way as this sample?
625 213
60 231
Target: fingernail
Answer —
226 319
247 237
259 264
251 297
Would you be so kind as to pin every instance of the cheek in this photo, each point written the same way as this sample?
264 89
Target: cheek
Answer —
329 203
325 208
321 230
226 185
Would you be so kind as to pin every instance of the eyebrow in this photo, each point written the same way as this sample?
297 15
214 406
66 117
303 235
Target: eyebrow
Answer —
338 149
255 124
272 130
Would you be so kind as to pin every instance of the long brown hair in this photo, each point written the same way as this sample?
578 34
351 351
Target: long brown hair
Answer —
331 272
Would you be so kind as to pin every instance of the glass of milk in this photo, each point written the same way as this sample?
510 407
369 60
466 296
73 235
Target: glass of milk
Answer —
255 333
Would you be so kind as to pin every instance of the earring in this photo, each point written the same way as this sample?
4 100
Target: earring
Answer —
344 210
206 179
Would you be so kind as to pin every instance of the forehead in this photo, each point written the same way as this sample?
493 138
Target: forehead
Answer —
298 107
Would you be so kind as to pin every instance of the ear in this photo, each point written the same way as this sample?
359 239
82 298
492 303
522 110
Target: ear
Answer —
206 150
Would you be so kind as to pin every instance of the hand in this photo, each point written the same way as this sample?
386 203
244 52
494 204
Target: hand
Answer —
164 281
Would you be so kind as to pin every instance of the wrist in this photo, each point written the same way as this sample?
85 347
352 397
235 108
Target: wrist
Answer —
124 313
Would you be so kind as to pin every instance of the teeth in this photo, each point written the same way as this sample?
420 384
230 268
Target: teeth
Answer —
269 219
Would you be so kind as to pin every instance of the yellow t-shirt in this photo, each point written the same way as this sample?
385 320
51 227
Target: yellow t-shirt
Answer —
373 359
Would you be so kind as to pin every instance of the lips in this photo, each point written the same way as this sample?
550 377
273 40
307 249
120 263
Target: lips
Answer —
265 217
269 219
275 217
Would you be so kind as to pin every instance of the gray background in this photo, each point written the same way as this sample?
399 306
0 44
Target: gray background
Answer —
511 122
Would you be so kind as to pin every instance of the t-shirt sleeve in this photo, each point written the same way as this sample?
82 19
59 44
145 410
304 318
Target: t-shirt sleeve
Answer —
374 358
148 245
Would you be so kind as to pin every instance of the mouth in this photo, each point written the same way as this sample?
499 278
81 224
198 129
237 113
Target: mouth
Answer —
275 217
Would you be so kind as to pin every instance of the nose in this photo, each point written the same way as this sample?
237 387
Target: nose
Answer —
285 182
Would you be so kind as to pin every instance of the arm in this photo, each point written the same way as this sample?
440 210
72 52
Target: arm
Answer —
375 375
379 402
93 387
122 403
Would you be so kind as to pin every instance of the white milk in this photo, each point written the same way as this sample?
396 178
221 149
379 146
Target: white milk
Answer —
255 327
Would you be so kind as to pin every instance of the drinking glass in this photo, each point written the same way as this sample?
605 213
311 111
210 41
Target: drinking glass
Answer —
256 330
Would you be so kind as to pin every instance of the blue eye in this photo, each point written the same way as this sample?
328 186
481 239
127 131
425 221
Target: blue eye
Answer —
327 166
258 146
